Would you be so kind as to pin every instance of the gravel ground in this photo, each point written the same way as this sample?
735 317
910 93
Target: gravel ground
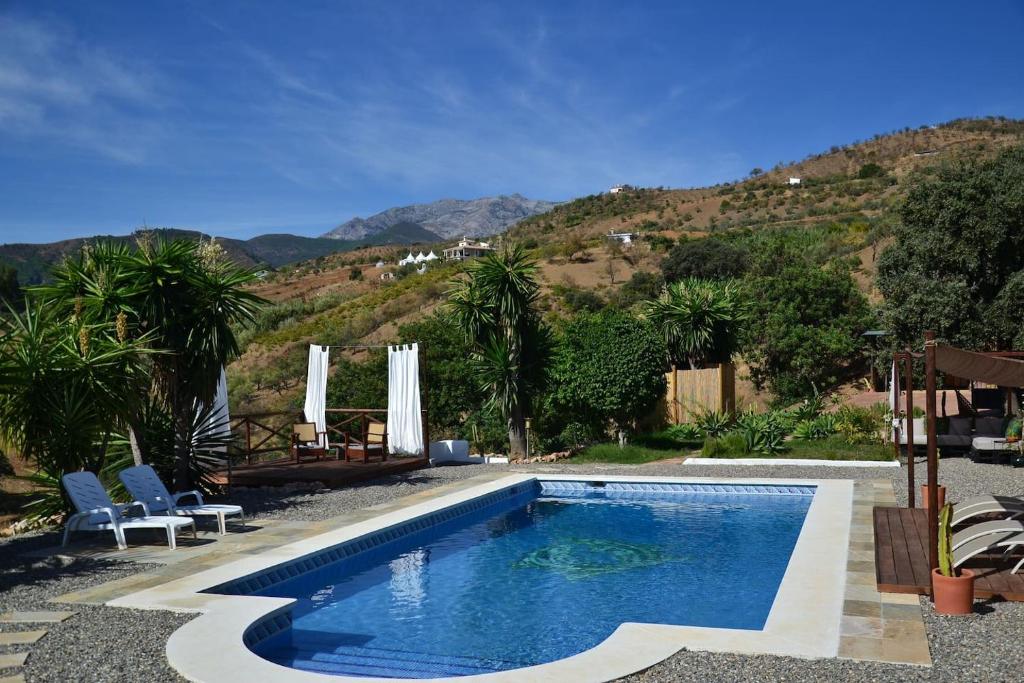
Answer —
109 644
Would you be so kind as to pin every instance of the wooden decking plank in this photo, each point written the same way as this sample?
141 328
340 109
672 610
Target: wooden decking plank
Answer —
900 549
917 544
885 566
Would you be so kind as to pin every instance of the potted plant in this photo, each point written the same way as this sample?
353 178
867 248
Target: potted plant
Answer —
940 496
952 589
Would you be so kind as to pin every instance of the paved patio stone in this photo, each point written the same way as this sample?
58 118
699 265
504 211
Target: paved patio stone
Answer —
34 617
20 637
13 659
861 626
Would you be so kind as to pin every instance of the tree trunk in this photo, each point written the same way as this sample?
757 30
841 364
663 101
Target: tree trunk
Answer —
517 434
182 428
137 442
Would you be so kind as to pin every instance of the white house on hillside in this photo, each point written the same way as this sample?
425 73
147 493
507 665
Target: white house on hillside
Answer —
794 181
624 237
467 248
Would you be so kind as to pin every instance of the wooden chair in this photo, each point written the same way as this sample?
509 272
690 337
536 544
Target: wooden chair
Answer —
306 441
374 441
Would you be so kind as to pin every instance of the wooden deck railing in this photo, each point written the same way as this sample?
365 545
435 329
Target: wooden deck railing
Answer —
271 432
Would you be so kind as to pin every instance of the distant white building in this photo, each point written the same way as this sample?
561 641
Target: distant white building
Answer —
407 260
467 248
431 256
624 237
387 275
794 181
619 188
380 264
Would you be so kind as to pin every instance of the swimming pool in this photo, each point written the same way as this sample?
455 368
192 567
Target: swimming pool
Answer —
534 574
238 615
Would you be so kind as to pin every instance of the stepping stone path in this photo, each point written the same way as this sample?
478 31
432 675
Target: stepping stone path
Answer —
8 639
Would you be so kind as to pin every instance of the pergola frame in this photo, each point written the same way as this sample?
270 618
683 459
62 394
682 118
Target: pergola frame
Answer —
424 385
1003 364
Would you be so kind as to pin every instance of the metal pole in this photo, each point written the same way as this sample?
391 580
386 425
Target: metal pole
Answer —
933 454
911 484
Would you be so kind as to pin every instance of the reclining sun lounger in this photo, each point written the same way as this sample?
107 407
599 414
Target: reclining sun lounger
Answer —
96 512
1008 540
1007 507
144 484
976 531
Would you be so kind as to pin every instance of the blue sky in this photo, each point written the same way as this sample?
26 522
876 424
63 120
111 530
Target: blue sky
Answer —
245 118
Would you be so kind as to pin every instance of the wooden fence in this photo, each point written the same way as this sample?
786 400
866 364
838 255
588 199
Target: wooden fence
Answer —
691 392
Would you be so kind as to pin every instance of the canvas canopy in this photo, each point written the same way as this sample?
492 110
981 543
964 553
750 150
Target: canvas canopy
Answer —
1002 372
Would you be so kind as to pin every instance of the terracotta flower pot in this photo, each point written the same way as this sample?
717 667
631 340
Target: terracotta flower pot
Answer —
953 594
941 496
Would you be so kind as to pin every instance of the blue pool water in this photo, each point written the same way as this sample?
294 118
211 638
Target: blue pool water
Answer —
539 576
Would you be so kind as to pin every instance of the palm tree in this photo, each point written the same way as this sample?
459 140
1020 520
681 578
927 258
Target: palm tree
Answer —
186 298
496 307
700 320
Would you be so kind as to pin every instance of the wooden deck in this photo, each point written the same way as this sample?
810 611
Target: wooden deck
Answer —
901 559
332 473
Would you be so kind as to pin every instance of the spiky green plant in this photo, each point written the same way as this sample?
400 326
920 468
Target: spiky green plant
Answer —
701 320
185 299
495 305
946 540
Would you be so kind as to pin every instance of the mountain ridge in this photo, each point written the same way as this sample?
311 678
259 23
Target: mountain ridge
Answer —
448 218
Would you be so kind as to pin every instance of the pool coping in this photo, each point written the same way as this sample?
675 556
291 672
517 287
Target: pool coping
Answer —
804 621
792 462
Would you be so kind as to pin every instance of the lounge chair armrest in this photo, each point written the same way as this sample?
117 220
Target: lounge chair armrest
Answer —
185 494
125 507
109 512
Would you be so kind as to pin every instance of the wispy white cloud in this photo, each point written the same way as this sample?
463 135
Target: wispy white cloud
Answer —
54 85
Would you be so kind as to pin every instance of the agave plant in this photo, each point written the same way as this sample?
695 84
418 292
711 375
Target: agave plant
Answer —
714 423
821 427
763 432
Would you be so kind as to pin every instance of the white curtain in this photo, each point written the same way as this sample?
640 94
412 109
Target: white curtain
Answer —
316 389
894 398
405 426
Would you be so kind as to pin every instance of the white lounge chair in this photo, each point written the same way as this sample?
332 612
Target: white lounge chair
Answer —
1007 507
144 485
1008 540
96 512
982 529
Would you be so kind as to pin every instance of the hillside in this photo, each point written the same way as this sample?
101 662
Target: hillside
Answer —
841 210
33 261
447 218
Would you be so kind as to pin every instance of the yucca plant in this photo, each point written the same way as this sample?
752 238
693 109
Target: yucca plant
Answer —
64 388
495 305
701 321
182 298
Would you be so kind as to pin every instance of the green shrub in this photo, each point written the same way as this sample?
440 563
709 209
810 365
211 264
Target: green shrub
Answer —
859 425
730 445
